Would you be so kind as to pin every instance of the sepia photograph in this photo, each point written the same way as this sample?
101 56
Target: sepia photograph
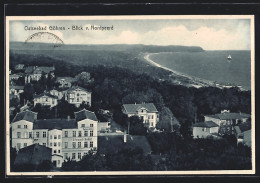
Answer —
130 95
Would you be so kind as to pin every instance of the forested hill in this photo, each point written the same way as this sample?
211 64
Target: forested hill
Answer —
114 47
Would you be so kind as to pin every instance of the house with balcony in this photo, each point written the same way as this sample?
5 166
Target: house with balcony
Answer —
45 99
34 73
76 95
146 111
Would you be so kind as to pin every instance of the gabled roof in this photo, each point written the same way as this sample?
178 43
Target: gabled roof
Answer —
77 87
33 154
58 124
227 115
46 94
85 114
16 87
206 124
114 143
25 115
133 108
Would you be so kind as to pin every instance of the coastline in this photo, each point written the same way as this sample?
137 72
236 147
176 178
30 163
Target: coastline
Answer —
189 81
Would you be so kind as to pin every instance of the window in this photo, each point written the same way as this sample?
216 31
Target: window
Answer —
85 153
18 145
79 133
73 155
91 133
59 136
77 99
66 155
79 144
53 102
25 145
66 145
91 144
74 133
54 151
30 134
58 162
85 144
44 134
25 126
58 151
74 144
79 155
55 144
55 136
85 133
18 135
58 143
46 99
77 94
91 125
18 126
25 134
37 134
44 144
50 144
50 136
66 133
82 125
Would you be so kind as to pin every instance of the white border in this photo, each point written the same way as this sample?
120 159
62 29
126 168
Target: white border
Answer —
133 17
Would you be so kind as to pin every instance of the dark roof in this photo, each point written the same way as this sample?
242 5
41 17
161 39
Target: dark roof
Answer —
245 126
114 143
16 87
132 108
25 115
206 124
29 69
227 115
58 124
45 94
33 154
76 87
85 114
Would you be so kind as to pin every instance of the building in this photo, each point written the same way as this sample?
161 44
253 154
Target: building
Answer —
33 155
14 76
16 90
205 129
146 111
34 73
77 95
68 138
46 99
19 67
227 120
59 94
243 133
65 82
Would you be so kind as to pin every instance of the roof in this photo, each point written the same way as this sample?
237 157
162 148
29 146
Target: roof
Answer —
51 124
46 69
69 79
19 66
85 114
77 87
206 124
114 143
16 87
243 127
29 69
132 108
45 94
33 154
25 115
227 115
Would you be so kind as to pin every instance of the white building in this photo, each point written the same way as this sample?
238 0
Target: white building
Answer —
205 129
68 138
77 95
146 111
65 82
57 93
16 90
46 99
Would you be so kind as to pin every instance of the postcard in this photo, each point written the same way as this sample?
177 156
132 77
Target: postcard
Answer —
130 95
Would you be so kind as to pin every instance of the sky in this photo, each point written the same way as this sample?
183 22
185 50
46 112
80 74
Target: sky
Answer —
210 34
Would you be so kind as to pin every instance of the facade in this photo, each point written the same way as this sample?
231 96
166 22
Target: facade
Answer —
68 138
16 90
59 94
65 82
46 99
147 112
34 73
77 95
14 76
205 129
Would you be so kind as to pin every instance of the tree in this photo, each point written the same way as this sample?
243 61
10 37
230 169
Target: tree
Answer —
84 79
28 91
45 166
136 126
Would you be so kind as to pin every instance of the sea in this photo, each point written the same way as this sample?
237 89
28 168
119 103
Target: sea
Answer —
210 65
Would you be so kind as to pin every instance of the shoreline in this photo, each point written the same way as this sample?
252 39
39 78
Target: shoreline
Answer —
191 80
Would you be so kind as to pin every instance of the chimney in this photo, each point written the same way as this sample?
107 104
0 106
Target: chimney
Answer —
125 138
